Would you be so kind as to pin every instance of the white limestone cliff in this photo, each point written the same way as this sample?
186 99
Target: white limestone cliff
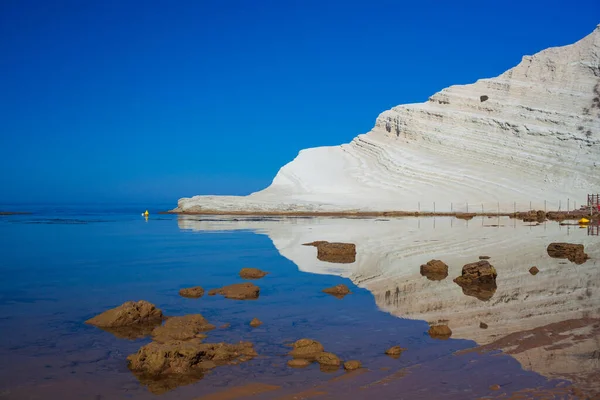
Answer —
531 134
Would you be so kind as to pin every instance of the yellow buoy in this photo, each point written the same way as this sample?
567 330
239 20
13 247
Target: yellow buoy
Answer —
584 221
146 213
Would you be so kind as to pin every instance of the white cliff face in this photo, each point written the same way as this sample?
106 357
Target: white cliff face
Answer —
390 252
531 134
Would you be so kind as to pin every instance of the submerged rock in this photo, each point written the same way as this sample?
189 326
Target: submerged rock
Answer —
483 325
182 328
255 322
484 257
192 292
343 253
307 349
434 270
252 273
352 365
441 332
572 252
395 351
478 280
238 291
338 290
533 270
130 320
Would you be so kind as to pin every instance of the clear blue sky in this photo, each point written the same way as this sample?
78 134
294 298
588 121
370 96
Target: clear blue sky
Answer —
119 100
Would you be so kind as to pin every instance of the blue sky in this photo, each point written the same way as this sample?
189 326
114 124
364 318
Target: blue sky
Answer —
120 100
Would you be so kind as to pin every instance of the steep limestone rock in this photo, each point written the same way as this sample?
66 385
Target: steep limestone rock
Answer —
526 139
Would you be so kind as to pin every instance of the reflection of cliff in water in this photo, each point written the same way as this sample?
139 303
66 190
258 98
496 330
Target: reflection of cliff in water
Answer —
389 253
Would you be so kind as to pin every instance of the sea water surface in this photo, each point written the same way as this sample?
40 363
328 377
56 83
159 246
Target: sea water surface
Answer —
63 265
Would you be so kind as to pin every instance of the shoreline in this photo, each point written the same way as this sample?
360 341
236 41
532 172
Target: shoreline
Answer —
529 216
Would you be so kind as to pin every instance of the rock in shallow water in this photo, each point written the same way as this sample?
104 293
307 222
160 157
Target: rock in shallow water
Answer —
343 253
478 280
442 332
351 365
182 328
238 291
192 292
338 291
255 323
306 349
128 314
395 351
434 270
252 273
572 252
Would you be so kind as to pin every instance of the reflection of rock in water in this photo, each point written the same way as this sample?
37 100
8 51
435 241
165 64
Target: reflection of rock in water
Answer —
390 250
132 332
167 383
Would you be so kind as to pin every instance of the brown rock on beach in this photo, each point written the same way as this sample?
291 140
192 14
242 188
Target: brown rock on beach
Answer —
238 291
434 270
252 273
343 253
192 292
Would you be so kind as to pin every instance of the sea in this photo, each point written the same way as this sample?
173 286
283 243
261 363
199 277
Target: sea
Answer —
532 336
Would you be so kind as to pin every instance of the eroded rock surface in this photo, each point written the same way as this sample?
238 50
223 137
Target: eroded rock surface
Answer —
252 273
182 328
192 292
434 270
478 280
572 252
298 363
343 253
338 290
238 291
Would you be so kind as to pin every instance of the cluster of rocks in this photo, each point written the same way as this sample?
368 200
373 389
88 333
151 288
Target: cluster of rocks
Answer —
177 354
343 253
307 351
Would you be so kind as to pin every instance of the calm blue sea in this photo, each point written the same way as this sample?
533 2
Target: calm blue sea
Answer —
61 265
